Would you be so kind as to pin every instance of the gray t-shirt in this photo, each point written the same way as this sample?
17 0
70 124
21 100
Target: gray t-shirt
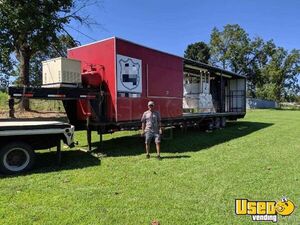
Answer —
152 120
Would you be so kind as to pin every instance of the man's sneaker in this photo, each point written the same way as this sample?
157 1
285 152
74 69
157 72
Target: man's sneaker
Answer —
158 157
148 156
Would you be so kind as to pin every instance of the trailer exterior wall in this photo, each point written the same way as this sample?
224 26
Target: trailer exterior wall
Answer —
133 75
162 82
99 54
161 79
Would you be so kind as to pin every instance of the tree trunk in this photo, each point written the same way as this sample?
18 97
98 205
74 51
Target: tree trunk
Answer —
24 55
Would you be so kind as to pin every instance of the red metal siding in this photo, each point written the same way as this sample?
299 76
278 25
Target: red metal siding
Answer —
162 79
162 82
99 54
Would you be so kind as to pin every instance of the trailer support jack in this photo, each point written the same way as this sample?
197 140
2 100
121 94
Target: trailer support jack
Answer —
100 141
58 152
89 134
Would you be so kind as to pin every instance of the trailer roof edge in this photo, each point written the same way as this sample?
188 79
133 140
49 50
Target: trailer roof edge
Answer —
214 68
188 61
123 39
91 43
144 46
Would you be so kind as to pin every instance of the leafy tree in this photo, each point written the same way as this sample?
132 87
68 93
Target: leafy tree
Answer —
256 59
230 47
297 99
198 51
5 67
58 49
233 50
7 64
271 71
280 75
30 26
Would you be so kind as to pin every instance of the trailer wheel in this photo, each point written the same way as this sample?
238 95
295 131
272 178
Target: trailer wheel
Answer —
223 121
217 123
210 125
16 157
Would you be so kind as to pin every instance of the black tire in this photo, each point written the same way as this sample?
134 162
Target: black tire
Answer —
217 123
16 157
223 121
210 125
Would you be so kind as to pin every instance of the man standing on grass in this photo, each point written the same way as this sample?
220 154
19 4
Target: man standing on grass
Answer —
151 128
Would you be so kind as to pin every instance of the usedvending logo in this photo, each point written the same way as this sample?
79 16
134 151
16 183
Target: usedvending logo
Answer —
264 210
130 77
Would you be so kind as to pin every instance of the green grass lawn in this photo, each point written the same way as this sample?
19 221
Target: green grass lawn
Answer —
197 181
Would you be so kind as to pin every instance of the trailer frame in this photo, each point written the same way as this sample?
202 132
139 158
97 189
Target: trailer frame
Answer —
102 127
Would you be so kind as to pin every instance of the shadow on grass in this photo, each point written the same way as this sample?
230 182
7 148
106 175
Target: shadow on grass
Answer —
46 162
175 141
73 159
176 157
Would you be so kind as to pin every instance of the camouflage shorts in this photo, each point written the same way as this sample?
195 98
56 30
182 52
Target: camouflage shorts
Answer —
150 135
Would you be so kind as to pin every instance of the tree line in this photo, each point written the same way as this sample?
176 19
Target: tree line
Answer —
32 31
272 72
35 30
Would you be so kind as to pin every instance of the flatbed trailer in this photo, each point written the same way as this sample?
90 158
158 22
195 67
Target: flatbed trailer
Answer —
70 94
19 140
67 95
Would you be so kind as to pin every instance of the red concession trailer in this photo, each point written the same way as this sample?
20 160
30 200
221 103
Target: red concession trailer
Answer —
132 75
119 78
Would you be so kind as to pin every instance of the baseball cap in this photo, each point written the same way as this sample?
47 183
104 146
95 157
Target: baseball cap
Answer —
150 103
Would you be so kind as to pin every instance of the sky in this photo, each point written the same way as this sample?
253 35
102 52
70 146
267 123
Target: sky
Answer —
171 25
